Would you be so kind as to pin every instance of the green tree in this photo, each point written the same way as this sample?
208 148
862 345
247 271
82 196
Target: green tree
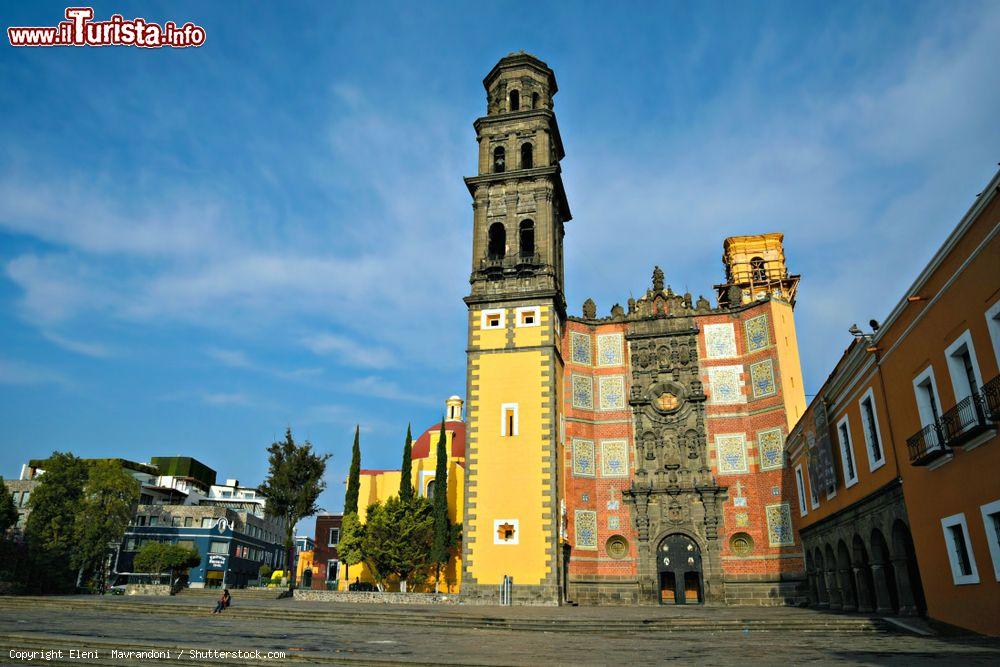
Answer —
353 476
294 483
349 549
8 512
149 558
353 485
397 540
51 527
158 557
406 472
442 544
109 500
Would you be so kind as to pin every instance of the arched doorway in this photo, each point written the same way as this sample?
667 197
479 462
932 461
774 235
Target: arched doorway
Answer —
904 561
678 565
307 578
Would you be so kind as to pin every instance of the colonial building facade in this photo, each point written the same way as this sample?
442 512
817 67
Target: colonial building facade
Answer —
898 499
631 458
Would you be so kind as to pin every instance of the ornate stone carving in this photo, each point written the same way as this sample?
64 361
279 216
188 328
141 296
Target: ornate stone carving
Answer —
657 279
589 309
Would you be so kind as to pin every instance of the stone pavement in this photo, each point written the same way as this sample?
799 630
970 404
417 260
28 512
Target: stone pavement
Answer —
321 633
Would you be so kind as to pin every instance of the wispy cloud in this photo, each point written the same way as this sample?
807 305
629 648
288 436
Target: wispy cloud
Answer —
348 351
13 372
97 350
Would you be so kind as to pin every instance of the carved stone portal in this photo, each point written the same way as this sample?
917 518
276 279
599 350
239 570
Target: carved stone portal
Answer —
673 491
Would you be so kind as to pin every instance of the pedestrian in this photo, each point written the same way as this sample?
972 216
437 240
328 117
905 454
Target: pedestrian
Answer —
224 600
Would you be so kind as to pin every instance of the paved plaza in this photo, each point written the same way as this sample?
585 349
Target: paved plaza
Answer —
325 633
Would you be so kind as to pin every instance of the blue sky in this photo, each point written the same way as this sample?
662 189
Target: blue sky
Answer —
200 247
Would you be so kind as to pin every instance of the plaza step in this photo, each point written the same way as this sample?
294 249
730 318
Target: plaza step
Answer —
704 621
243 593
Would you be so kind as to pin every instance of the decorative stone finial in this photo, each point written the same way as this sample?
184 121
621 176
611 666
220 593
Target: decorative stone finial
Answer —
657 279
617 312
589 309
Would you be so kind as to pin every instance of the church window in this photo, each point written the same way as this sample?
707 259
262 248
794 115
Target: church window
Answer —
526 238
515 100
505 531
758 270
499 159
508 421
527 161
534 100
430 490
493 319
496 246
528 316
741 544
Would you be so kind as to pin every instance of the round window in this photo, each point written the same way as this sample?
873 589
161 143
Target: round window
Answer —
617 546
741 544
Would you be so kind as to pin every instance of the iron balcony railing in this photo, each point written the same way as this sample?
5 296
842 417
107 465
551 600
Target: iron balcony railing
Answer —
964 421
926 445
970 417
991 399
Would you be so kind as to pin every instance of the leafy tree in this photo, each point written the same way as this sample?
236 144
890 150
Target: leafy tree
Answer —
294 483
349 549
51 527
8 512
109 499
178 559
157 557
397 538
406 472
353 476
149 558
353 486
442 544
264 572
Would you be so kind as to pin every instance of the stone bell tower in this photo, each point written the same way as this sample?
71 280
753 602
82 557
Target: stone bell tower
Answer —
516 313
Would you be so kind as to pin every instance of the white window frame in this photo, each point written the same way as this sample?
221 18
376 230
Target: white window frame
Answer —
503 419
800 485
926 416
956 574
845 422
992 538
329 536
536 311
336 568
993 324
496 527
873 463
813 491
422 478
489 313
957 371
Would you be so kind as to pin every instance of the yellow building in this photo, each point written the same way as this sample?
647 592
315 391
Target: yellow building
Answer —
380 485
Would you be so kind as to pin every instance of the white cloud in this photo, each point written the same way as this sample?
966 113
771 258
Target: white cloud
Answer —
348 351
85 348
13 372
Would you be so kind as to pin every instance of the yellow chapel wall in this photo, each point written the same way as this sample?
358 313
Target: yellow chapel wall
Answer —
514 475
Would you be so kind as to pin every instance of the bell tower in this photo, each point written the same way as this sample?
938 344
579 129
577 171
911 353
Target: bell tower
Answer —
516 313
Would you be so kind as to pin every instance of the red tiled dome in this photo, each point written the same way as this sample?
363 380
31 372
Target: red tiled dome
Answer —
422 445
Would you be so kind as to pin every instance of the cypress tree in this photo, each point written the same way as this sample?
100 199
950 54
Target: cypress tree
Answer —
442 528
353 477
405 481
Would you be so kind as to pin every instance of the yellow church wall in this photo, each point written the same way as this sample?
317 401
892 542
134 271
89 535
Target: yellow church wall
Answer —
385 484
510 483
789 364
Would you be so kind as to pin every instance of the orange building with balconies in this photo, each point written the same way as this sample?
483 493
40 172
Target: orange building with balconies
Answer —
896 459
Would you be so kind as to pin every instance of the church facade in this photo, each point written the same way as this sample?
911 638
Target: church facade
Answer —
622 459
